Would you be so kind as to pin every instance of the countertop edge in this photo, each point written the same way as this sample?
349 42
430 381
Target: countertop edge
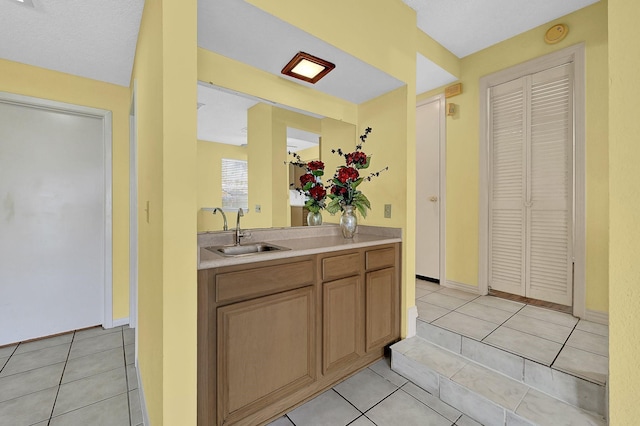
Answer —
215 261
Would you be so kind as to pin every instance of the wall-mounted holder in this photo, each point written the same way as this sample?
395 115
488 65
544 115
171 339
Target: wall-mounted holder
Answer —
451 109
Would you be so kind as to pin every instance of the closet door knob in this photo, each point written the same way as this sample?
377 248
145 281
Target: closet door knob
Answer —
433 198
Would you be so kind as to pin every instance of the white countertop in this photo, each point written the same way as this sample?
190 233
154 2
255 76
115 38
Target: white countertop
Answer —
300 241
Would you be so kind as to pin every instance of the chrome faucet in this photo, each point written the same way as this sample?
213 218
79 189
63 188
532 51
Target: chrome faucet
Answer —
224 217
239 232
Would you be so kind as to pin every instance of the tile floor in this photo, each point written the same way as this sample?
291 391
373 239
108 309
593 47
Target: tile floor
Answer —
87 377
379 396
559 340
375 396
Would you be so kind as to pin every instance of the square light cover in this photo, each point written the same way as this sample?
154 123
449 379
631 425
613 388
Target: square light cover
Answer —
307 67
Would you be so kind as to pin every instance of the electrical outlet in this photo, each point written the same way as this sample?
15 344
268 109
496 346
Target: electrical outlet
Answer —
258 208
387 211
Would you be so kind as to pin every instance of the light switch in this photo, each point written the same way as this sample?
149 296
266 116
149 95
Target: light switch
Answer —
387 211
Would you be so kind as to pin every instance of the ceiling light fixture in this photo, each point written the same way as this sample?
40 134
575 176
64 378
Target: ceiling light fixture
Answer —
307 67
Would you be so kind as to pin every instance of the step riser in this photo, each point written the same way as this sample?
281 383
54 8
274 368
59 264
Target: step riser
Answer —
565 387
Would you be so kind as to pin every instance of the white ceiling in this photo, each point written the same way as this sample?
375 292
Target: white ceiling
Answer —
465 26
97 39
93 39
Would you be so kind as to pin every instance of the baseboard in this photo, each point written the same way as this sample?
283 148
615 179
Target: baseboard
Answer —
412 316
143 401
597 316
120 321
460 286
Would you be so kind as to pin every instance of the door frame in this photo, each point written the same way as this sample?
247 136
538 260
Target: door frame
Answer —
575 54
442 163
133 209
65 108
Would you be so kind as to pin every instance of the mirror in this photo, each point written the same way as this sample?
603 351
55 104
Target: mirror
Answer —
236 126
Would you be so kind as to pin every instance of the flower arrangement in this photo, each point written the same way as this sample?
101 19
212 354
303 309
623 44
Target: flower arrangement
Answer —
311 183
343 190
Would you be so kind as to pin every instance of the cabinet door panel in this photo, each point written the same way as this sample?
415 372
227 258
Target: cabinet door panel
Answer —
266 350
381 302
342 322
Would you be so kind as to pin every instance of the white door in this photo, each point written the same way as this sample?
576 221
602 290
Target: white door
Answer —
428 133
52 222
531 186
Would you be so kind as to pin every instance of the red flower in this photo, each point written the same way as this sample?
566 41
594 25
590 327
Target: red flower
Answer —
315 165
347 173
317 192
306 178
357 157
338 190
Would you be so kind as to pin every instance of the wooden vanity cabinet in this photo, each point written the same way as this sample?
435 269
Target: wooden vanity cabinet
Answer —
274 334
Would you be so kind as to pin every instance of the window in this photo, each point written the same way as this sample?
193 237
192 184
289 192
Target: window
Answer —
235 184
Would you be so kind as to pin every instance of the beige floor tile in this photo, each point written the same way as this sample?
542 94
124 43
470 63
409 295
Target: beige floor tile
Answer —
583 364
30 381
592 327
29 409
544 410
527 345
494 386
464 324
365 389
428 312
44 343
428 285
484 312
547 330
402 409
549 316
7 351
109 412
35 359
90 365
464 295
496 302
90 390
589 342
443 300
92 345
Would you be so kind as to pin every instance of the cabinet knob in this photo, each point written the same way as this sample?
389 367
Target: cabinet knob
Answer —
433 198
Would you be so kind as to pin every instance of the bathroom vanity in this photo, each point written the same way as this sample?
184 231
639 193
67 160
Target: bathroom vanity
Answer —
276 328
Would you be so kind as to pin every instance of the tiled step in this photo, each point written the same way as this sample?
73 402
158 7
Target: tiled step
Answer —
488 396
588 395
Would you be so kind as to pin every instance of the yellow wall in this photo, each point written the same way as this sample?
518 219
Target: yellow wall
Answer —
588 25
624 205
210 155
42 83
166 72
355 28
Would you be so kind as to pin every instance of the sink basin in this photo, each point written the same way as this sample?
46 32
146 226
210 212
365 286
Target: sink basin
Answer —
245 249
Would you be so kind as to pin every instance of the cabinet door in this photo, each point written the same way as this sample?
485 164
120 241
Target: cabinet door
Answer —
381 303
342 322
266 350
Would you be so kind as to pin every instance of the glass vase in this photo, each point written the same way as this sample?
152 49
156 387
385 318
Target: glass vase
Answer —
348 222
314 219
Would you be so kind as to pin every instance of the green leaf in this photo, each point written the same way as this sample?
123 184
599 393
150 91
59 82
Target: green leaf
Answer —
318 172
334 206
307 186
357 182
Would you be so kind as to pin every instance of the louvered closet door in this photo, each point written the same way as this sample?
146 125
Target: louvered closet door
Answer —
531 186
508 124
550 265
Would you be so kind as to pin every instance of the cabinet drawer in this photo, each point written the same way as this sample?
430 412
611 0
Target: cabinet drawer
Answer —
340 266
382 258
265 280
